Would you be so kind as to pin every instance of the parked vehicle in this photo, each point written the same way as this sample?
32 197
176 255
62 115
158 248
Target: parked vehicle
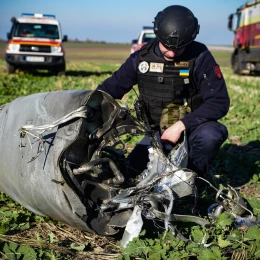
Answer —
245 24
35 42
146 35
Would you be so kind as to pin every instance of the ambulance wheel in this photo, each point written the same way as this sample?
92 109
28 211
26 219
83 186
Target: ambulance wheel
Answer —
58 71
10 68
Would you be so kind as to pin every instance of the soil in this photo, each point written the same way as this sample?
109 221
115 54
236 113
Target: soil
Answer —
72 53
110 53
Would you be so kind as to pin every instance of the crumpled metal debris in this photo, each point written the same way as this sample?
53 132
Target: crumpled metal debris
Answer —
157 187
233 203
70 165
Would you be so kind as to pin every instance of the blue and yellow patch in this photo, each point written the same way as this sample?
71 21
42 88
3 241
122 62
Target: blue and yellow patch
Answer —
184 73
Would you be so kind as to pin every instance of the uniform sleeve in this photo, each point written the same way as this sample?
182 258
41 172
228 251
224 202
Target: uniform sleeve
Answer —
215 99
121 80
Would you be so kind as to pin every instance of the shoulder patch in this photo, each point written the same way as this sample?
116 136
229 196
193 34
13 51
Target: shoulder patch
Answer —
143 67
217 71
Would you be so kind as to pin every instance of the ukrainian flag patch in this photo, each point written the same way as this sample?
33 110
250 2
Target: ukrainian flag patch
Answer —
184 73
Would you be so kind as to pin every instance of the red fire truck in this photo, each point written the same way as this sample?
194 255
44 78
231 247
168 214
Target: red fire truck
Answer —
245 24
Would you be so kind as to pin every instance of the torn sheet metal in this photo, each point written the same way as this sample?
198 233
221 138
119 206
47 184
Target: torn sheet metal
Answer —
133 227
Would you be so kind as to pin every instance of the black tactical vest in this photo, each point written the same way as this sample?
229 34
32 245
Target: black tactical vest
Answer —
162 83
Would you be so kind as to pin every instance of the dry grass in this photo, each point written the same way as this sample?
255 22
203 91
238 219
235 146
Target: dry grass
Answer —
38 236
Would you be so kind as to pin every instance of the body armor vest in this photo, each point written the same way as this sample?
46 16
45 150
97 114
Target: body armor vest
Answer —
162 84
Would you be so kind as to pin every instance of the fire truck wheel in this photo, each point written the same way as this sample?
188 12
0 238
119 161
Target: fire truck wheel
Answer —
10 68
237 65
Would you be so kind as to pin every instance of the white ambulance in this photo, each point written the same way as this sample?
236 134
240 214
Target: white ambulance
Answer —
35 43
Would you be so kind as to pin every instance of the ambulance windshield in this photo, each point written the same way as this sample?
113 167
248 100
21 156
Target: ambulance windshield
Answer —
36 30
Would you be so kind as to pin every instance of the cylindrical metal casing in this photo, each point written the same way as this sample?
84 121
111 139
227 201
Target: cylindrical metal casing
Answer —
37 183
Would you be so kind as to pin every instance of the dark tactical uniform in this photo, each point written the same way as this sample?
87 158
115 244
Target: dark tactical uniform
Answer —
193 82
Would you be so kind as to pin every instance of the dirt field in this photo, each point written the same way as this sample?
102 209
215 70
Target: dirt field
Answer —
116 53
101 52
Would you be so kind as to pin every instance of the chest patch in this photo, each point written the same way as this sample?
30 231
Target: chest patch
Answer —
184 73
184 64
156 67
186 81
143 67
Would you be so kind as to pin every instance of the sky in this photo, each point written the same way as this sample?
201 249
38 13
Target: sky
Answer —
120 21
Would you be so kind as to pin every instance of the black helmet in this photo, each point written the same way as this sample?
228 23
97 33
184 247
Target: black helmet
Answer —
176 26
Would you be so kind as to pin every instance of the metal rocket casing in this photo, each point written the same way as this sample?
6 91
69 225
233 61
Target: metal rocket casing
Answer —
38 184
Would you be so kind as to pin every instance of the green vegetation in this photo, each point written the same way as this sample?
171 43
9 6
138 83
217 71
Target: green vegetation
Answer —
24 235
222 58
